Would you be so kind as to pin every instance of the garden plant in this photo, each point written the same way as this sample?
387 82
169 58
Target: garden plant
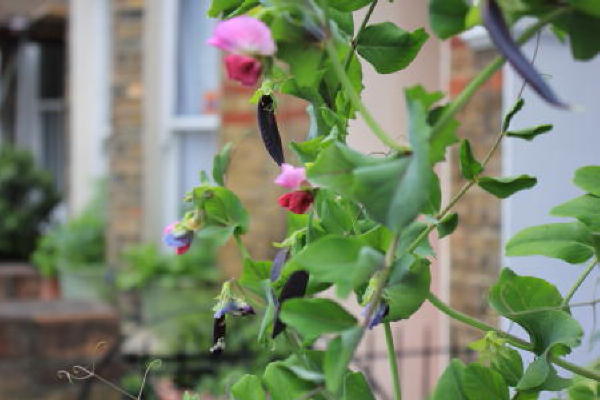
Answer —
360 224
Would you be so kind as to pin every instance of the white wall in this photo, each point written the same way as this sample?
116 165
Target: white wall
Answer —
552 158
89 97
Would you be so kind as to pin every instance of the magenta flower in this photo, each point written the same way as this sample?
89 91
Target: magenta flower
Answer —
243 35
291 177
243 69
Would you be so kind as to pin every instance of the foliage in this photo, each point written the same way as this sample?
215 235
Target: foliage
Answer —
27 197
77 244
367 231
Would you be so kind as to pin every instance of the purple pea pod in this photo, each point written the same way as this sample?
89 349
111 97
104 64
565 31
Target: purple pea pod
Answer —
493 21
293 288
278 263
268 129
218 335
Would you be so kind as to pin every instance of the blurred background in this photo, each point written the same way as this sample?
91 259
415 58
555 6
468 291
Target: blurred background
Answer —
108 111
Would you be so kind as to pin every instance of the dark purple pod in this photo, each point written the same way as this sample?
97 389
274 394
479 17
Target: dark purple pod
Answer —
218 335
500 35
293 288
268 129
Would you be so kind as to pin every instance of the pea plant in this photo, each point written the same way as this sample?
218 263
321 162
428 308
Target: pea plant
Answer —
360 224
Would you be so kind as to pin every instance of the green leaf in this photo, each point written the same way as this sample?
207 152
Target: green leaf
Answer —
314 317
519 297
389 48
447 225
336 214
221 163
582 28
480 383
343 19
217 7
493 351
248 387
341 260
283 384
570 242
506 186
535 375
407 289
356 387
591 7
450 384
339 353
308 150
585 208
221 207
518 106
254 274
588 179
448 17
469 166
530 133
443 138
348 5
304 62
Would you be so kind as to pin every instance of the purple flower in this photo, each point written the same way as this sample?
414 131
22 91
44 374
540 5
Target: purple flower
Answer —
243 35
378 315
234 307
179 239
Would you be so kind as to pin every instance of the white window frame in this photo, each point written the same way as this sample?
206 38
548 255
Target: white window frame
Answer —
161 137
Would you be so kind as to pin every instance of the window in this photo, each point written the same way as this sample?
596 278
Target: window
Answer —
194 116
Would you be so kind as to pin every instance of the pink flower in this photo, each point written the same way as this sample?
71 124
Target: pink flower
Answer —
297 202
181 240
243 35
290 176
243 69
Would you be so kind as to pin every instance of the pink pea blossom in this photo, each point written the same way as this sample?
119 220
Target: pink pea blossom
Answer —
180 240
291 177
243 35
297 202
243 69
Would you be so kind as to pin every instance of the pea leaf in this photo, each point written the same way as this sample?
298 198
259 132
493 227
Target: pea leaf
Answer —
518 298
494 351
518 106
407 289
220 6
530 133
469 166
447 225
304 62
341 260
588 179
356 387
570 242
221 163
248 387
443 138
283 384
480 382
338 355
348 5
221 207
585 208
389 48
591 7
448 17
314 317
450 384
506 186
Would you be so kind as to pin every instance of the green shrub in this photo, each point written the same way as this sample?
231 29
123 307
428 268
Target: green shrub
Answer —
27 197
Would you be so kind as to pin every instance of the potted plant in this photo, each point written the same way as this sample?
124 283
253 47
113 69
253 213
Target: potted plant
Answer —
27 198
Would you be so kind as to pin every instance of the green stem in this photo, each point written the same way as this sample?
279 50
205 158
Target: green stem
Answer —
354 42
457 315
242 247
459 102
579 281
515 341
391 352
357 102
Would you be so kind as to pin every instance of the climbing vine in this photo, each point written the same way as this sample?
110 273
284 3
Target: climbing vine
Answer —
361 223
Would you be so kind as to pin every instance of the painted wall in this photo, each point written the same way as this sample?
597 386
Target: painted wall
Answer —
552 158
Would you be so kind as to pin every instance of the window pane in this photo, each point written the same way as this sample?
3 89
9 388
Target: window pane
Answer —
197 63
196 150
54 146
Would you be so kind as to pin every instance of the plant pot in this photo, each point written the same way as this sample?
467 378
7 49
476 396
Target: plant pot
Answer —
49 288
85 283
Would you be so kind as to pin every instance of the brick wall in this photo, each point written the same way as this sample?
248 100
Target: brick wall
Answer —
475 246
125 143
252 171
